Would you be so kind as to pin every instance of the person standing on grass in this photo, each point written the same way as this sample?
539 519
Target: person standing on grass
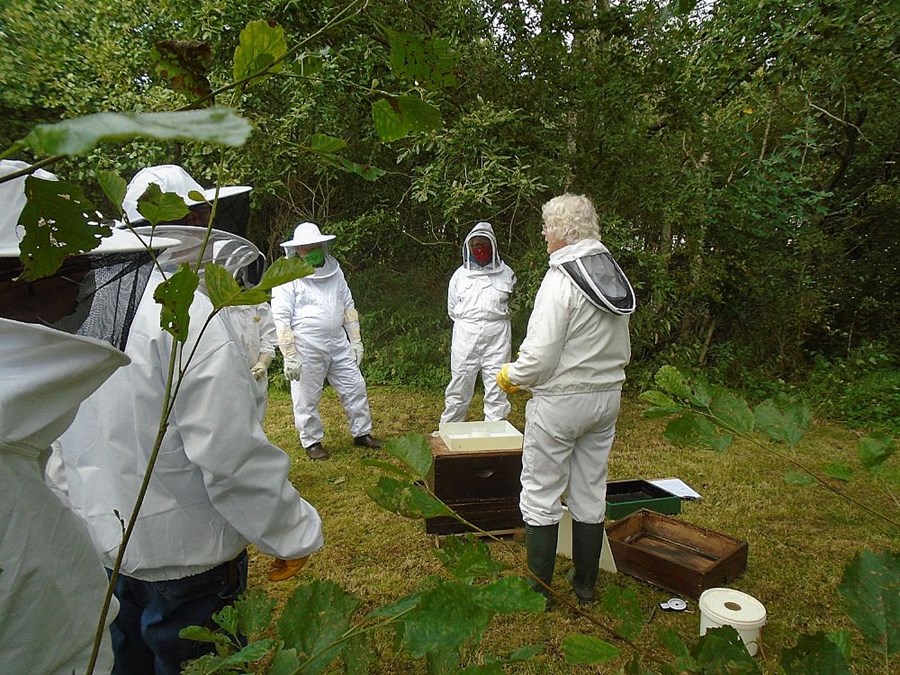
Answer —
573 360
317 327
217 486
478 304
59 342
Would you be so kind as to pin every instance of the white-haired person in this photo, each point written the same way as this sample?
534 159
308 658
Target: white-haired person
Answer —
573 361
478 302
318 333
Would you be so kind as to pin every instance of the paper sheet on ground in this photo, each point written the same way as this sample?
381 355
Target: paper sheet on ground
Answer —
677 487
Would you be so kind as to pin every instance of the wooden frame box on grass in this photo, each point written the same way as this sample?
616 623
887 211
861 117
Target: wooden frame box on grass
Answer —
674 555
482 486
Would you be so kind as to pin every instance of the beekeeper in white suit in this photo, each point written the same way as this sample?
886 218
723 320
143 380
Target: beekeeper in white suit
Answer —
573 360
318 333
52 582
218 485
251 324
478 303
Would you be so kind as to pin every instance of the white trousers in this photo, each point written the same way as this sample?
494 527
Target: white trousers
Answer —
566 449
477 347
344 375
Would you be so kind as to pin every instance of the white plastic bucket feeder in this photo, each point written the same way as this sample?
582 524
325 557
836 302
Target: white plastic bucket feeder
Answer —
727 607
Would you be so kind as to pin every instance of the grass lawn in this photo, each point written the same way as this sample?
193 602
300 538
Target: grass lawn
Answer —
800 538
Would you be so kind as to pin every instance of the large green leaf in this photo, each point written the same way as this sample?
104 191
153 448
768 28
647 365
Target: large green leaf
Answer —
623 604
261 44
407 499
58 223
227 618
254 610
221 287
468 558
782 419
175 295
283 270
446 616
414 451
692 429
204 634
183 66
359 655
160 207
875 449
815 655
323 143
731 410
799 478
114 187
314 619
387 120
427 62
839 470
587 650
721 650
77 136
285 662
508 595
397 117
671 381
252 653
395 609
660 404
871 585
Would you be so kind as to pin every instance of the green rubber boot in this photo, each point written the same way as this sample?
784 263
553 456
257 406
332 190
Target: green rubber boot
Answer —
587 542
540 543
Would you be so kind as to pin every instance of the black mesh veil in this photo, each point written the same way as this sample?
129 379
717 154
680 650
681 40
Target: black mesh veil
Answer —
92 295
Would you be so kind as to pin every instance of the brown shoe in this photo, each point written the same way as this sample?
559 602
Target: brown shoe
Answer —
316 451
285 569
367 441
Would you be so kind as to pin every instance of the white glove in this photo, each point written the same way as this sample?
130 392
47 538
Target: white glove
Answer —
356 348
351 327
260 369
289 352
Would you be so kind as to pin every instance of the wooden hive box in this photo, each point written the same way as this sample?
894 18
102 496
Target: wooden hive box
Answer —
482 486
674 555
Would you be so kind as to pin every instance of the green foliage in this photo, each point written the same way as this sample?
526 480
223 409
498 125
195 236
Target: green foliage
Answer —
782 419
413 450
57 220
815 654
584 649
114 187
407 499
876 449
871 585
77 136
422 61
622 604
158 206
183 65
261 45
468 559
176 294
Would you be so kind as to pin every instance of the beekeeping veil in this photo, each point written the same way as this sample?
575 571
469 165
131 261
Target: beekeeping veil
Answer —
309 234
602 282
487 231
231 251
95 294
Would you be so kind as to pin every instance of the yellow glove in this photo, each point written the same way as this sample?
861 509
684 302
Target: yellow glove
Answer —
285 569
503 380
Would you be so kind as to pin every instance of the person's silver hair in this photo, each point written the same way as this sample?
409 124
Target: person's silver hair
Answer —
570 218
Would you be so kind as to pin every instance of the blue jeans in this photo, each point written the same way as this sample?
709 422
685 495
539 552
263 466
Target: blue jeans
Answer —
145 633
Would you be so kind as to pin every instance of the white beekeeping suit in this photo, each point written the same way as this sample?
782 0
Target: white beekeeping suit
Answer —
252 325
52 582
478 303
318 333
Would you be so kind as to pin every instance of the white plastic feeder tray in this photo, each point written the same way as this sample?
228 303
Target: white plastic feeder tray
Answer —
480 436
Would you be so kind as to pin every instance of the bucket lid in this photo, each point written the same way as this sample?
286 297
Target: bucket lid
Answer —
732 607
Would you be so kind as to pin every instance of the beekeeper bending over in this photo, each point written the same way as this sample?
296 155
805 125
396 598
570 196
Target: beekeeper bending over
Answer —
318 334
478 303
573 361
